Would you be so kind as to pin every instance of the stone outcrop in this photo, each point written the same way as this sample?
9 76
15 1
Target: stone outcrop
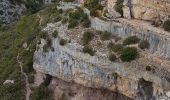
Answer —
10 12
149 10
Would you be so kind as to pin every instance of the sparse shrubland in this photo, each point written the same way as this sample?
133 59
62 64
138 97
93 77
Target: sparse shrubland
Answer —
78 17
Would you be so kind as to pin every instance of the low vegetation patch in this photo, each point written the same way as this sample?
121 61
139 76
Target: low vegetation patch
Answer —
117 48
128 54
131 40
144 44
87 37
78 17
89 50
105 35
166 25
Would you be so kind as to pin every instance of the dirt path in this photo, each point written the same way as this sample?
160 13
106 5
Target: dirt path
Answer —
28 90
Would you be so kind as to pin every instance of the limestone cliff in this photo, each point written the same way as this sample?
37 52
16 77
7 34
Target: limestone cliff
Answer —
69 63
150 10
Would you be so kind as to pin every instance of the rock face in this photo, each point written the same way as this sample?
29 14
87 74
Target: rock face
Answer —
150 10
10 12
158 38
69 64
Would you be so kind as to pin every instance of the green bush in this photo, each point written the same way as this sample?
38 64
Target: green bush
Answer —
87 37
88 50
119 6
166 25
105 35
72 23
128 54
117 48
112 57
144 44
131 40
55 34
63 42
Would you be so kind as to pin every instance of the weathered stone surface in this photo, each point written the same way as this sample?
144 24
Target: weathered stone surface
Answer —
145 9
10 12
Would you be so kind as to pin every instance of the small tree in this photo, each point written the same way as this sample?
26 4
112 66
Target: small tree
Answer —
128 54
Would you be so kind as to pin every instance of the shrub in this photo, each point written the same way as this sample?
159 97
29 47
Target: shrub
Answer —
63 42
117 48
119 6
60 11
115 75
55 34
88 50
112 57
105 35
131 40
87 37
148 68
166 25
144 44
93 12
128 54
85 21
72 23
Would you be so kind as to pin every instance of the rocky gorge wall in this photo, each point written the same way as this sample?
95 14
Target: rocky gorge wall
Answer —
70 64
